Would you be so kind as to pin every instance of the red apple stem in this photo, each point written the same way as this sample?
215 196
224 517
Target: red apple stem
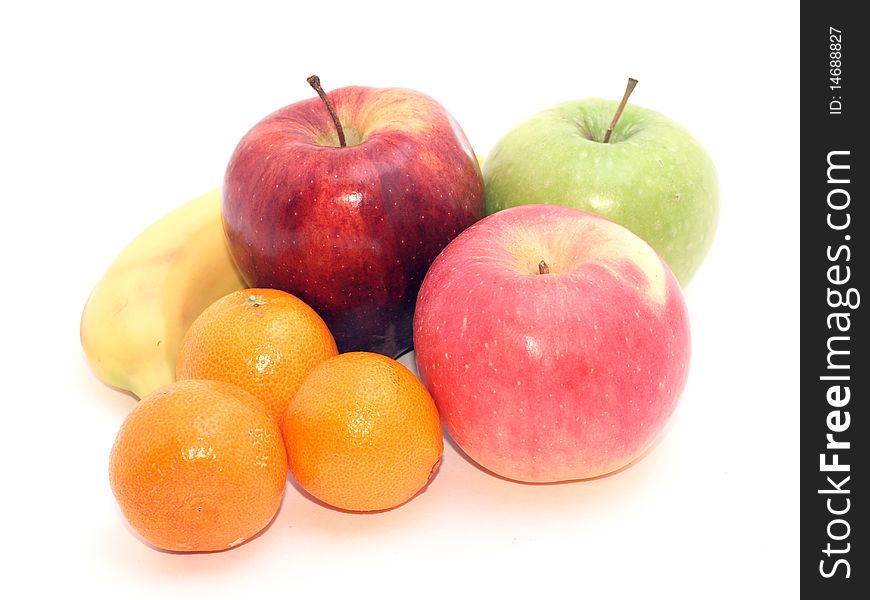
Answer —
314 81
628 90
543 268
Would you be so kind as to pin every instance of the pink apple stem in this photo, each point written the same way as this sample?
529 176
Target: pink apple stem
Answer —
314 81
543 268
628 90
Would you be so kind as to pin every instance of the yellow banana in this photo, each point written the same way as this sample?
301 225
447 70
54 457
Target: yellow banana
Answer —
136 316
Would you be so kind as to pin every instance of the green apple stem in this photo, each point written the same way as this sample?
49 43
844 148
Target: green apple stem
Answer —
628 90
543 268
314 81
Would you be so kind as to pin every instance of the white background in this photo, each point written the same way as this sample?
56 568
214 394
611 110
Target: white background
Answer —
112 116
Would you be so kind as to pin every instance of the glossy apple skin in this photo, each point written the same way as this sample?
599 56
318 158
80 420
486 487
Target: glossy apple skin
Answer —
555 377
652 177
352 231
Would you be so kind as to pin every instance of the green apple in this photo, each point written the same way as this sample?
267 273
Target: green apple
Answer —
651 176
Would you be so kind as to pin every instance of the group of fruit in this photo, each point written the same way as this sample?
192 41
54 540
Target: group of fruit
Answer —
260 326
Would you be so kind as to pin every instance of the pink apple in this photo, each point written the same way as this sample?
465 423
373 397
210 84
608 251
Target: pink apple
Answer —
555 343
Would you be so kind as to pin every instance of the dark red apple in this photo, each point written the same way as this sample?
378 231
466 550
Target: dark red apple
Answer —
351 230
